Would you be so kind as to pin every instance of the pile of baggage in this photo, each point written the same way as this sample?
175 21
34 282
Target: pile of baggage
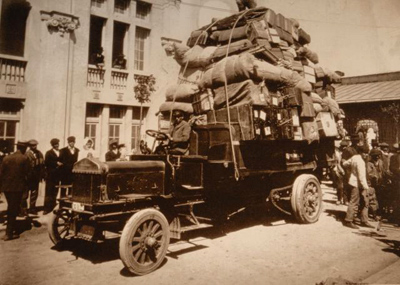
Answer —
258 64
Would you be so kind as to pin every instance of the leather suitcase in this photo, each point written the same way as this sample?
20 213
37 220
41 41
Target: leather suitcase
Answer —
293 97
270 18
263 43
326 125
310 130
276 51
307 108
258 32
304 38
281 21
274 36
285 36
319 72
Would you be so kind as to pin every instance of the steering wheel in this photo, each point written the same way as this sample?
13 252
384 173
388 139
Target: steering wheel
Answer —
160 136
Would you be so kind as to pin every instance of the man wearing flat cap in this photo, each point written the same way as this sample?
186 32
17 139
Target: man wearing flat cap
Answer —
113 154
35 176
14 173
53 168
68 157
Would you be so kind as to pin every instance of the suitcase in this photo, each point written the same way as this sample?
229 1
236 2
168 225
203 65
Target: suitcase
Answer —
307 108
304 38
310 130
263 43
285 36
293 29
270 18
326 125
202 102
319 72
297 66
274 36
292 97
258 32
281 21
309 74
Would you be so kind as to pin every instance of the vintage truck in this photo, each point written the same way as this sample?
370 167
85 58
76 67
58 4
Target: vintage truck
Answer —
156 197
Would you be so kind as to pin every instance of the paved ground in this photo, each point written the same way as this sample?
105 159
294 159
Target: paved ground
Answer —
256 249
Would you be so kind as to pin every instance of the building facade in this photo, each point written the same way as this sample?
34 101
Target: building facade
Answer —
370 101
68 67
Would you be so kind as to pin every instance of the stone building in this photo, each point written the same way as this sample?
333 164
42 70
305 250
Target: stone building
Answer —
52 84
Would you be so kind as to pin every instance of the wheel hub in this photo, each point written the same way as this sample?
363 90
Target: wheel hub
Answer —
150 242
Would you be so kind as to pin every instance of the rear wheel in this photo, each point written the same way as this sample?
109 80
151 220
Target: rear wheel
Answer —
144 241
60 226
306 199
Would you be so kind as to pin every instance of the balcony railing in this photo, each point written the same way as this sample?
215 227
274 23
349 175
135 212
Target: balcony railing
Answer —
95 77
12 68
119 79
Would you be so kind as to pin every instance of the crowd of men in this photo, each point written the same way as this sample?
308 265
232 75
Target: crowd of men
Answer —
367 180
22 171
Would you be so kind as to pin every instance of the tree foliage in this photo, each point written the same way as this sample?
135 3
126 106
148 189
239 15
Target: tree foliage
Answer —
145 86
393 110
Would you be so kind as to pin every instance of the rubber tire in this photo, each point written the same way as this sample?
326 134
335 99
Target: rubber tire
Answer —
297 197
129 231
53 233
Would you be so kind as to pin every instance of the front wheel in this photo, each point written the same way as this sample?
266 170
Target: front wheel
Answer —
306 200
144 241
60 226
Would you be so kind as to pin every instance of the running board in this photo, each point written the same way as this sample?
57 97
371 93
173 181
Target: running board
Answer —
194 227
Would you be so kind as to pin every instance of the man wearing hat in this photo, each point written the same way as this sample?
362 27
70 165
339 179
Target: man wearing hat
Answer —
53 167
36 175
68 157
14 173
179 134
394 167
113 154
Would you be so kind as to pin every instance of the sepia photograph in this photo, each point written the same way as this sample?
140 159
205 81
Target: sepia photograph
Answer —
199 142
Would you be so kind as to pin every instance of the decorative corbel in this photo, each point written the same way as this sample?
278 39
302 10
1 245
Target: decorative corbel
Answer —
60 22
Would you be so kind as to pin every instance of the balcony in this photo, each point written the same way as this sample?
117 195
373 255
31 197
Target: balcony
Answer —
111 85
12 76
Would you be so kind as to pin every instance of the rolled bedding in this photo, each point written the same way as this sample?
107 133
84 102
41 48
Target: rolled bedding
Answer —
171 106
181 92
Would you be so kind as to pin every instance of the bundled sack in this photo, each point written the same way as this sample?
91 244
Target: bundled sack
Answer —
181 92
240 93
332 77
333 106
190 75
292 79
197 56
232 69
238 33
171 106
316 98
309 54
233 48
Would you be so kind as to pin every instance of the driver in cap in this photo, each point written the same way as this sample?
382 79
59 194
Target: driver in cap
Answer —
179 134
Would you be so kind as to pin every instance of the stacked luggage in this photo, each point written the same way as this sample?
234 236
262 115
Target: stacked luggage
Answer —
258 64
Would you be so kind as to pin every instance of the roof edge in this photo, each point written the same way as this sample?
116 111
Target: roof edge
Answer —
387 76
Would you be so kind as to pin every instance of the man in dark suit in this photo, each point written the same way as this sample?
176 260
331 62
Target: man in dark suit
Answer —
14 173
53 164
113 154
68 157
179 134
35 177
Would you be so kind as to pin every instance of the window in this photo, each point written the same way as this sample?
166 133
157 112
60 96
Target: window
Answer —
93 112
119 45
141 41
135 126
117 112
142 10
12 27
7 135
135 136
121 6
96 56
97 3
114 132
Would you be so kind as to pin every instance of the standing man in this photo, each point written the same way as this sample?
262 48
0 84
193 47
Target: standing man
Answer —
36 175
14 173
53 168
68 157
394 167
179 134
359 187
